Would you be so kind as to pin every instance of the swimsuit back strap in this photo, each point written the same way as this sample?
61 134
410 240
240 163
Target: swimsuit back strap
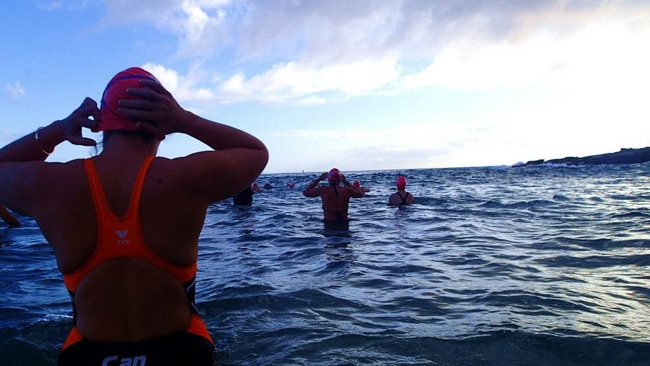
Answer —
138 185
99 196
110 227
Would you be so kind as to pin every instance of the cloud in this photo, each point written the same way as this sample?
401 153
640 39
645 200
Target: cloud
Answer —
291 82
63 5
427 143
199 24
594 53
318 134
15 90
315 31
324 51
157 12
184 88
298 82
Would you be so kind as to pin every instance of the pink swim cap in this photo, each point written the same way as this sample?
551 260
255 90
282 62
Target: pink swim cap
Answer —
334 175
401 182
116 90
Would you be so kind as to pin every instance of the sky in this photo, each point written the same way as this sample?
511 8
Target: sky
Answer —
354 84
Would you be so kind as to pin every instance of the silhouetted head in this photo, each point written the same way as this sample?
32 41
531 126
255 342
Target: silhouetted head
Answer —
334 176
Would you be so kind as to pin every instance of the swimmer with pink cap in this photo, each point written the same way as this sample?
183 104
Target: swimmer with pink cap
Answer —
127 222
334 176
335 198
116 90
401 197
401 183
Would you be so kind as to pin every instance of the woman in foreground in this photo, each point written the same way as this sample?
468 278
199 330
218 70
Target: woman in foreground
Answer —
125 224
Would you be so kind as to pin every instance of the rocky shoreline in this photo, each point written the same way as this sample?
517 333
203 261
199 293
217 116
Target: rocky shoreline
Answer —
624 156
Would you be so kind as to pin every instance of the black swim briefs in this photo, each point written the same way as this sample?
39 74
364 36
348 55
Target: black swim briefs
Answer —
180 348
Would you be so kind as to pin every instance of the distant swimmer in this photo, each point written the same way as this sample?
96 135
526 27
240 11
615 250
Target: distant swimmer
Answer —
358 186
125 224
335 197
243 198
256 188
291 185
10 219
401 197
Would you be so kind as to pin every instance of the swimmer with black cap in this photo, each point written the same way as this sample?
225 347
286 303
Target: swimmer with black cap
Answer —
125 224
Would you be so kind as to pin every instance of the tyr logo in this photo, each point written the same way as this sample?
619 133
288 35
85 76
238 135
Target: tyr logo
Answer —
122 237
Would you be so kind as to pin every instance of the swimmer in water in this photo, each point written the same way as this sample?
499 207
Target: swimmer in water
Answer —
335 196
401 197
125 224
358 186
243 198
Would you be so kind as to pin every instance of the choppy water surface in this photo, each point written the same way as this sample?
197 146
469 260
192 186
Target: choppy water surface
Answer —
491 266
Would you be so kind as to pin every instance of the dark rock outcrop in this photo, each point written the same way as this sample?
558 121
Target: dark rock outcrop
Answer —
624 156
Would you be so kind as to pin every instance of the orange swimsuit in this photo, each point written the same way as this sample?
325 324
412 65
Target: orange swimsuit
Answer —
122 237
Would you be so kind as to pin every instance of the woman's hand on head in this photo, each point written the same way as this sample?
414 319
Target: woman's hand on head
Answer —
155 109
87 115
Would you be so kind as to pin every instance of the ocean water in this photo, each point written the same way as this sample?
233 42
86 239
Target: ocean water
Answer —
491 266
